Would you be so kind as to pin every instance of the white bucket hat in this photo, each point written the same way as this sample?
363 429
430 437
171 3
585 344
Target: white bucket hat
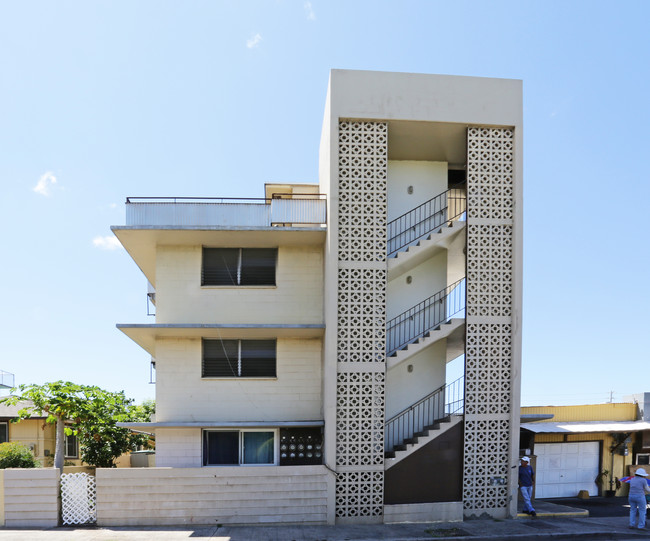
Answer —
528 460
642 472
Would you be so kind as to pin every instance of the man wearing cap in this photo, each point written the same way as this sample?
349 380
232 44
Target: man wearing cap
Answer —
526 480
638 489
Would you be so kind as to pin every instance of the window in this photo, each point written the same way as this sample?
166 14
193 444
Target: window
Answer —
71 447
239 359
238 447
4 432
239 266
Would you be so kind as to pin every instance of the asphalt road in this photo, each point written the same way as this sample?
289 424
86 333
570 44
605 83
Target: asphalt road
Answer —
597 507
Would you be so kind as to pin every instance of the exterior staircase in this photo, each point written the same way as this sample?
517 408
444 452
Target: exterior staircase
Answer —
431 216
425 320
424 421
413 238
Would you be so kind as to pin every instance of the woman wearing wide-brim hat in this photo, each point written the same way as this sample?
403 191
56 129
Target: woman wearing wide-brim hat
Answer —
638 489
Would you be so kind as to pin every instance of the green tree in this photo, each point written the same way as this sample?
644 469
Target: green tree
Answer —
92 411
15 455
141 413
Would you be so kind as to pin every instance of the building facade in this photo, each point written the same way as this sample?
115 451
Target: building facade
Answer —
312 330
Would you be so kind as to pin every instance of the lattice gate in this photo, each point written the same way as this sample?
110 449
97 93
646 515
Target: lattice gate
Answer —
78 498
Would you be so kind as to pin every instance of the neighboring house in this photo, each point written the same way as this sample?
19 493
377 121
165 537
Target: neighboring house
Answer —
35 434
578 442
311 330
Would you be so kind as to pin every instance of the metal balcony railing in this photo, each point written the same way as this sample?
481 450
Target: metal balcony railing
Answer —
299 210
445 401
415 322
447 207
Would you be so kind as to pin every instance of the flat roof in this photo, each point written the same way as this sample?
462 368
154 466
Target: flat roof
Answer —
586 426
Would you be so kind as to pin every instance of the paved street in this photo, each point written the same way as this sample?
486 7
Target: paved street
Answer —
557 519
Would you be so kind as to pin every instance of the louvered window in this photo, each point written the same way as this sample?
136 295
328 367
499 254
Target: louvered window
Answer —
239 266
239 358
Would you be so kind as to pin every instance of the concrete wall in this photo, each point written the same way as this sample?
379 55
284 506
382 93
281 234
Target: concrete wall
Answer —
426 279
428 180
182 395
228 495
31 497
424 512
404 388
178 447
296 298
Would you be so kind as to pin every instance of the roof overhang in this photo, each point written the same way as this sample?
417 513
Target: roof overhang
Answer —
228 424
141 242
145 335
586 426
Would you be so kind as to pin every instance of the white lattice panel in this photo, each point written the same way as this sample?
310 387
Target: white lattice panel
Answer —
360 418
489 332
361 315
361 319
78 498
360 494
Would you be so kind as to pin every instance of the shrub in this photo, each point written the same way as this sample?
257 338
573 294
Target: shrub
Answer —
15 455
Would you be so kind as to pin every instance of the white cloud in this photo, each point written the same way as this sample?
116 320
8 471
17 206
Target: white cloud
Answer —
311 16
107 243
254 41
45 183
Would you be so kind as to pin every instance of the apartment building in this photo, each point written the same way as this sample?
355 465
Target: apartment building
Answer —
306 336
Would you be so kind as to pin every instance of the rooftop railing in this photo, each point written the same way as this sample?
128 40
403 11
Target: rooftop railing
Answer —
295 211
6 380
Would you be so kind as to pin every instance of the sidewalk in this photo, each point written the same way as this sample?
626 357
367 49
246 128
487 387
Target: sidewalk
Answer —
553 521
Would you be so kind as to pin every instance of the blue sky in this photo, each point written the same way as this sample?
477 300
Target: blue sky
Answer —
103 100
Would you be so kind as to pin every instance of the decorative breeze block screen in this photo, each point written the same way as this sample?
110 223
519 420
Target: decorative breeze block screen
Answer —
361 331
488 377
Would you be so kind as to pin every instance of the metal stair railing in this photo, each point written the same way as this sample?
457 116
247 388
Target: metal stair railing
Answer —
415 322
445 401
429 216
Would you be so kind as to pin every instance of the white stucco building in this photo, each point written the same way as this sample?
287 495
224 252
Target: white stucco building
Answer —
301 341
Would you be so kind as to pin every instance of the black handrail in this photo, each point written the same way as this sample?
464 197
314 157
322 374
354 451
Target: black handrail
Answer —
415 322
445 401
427 217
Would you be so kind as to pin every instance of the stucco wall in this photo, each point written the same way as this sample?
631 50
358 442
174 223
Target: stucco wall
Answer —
428 180
587 412
404 388
31 497
296 298
228 495
426 279
182 395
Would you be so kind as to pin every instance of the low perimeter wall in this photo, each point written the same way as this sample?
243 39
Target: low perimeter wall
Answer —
217 495
31 497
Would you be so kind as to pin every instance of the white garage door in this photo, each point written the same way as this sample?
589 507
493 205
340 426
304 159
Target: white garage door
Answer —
564 469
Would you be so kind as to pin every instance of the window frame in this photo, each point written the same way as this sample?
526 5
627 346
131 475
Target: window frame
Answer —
239 361
240 443
240 266
6 431
66 443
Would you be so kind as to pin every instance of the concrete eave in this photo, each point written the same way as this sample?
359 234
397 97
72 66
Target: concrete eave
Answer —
141 242
145 335
226 424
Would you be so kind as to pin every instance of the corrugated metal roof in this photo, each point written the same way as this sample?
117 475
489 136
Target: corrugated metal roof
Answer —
587 426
